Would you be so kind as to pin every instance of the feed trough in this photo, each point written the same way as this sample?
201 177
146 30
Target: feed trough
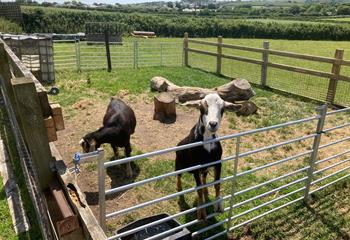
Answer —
183 234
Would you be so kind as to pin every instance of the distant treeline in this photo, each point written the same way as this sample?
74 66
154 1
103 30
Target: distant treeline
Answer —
58 20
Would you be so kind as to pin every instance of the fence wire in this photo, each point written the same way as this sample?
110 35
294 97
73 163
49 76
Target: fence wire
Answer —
81 55
298 83
30 175
302 84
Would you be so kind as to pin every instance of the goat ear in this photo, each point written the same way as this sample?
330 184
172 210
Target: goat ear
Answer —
81 142
232 106
194 103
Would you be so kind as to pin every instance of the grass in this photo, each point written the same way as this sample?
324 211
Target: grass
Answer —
6 227
274 109
152 54
341 19
7 26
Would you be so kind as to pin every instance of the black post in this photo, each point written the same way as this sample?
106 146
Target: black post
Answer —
108 53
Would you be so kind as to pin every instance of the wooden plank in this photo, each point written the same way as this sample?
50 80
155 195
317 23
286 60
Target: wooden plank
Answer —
308 71
92 229
202 52
345 62
218 58
243 48
243 59
302 56
50 128
33 129
57 116
333 82
67 221
202 42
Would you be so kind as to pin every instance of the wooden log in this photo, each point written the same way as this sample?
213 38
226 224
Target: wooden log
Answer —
236 90
57 116
247 108
164 108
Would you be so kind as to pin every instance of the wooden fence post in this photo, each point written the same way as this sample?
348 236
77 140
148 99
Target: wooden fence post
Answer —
5 71
108 53
32 124
265 59
219 59
333 82
186 49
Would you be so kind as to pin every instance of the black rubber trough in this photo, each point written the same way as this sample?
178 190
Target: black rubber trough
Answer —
183 234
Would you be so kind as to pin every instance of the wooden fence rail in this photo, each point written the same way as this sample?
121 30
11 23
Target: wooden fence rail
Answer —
334 76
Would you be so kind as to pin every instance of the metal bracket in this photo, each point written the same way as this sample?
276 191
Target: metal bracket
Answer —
76 161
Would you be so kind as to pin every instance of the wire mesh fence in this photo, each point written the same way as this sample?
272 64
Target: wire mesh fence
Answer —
324 79
29 171
129 54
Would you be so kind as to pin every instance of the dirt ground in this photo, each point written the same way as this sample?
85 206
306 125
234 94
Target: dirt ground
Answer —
150 135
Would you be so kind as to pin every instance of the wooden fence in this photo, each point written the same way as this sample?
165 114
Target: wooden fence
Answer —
334 76
27 103
34 122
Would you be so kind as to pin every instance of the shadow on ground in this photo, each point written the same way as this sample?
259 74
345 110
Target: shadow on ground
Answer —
327 216
117 175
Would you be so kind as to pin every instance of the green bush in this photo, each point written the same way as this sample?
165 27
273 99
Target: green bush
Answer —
7 26
58 20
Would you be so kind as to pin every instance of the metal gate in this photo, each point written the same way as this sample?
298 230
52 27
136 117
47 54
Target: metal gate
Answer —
297 184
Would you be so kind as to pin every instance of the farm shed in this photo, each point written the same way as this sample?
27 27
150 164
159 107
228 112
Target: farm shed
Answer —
36 53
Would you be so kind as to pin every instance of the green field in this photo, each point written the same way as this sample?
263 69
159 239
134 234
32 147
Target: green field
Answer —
342 19
99 85
152 54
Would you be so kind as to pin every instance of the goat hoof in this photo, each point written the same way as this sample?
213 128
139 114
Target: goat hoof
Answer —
202 214
219 207
129 172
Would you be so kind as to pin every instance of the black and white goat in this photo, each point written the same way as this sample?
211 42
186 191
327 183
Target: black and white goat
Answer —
211 111
119 123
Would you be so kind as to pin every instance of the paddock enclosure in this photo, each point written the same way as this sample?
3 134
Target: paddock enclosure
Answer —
311 76
258 178
291 151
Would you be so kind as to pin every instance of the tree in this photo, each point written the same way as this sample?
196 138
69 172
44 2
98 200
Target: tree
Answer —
343 10
295 10
170 4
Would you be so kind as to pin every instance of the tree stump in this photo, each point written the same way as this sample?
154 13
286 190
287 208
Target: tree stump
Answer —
164 108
